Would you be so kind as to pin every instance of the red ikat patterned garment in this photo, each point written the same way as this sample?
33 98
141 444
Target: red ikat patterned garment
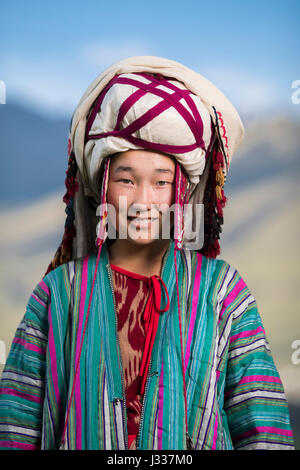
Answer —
138 307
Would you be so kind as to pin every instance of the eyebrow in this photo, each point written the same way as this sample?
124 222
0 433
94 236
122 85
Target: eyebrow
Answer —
121 168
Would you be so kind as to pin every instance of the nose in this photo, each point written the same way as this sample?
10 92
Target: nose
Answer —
142 199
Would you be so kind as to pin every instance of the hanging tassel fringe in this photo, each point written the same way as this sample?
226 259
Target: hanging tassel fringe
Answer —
214 203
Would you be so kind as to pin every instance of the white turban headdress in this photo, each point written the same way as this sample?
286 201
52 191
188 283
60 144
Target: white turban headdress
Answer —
146 103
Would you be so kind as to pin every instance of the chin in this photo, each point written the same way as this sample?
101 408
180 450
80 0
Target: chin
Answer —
143 237
142 241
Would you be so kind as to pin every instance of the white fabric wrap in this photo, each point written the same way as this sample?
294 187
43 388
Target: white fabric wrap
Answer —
168 128
89 156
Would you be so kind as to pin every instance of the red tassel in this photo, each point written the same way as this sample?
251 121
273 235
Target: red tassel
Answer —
219 208
213 251
224 199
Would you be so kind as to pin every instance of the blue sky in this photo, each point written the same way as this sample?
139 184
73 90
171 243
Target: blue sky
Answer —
51 50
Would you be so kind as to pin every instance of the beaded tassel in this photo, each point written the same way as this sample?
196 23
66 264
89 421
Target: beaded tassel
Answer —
101 227
182 195
214 202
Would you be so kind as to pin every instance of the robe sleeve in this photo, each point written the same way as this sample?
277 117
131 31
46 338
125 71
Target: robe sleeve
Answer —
254 398
23 379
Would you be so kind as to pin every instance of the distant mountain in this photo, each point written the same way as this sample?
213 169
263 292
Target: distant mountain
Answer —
33 152
270 148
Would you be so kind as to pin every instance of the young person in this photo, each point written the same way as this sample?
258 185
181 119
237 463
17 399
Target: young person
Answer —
141 340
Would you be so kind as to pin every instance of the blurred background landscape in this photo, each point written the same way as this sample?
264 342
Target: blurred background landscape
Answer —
49 54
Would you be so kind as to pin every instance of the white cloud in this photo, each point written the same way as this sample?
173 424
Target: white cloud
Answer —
101 55
48 85
56 85
250 94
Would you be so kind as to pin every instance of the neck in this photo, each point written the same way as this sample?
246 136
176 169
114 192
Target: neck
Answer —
145 260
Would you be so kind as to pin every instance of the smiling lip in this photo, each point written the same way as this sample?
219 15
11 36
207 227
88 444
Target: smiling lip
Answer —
142 220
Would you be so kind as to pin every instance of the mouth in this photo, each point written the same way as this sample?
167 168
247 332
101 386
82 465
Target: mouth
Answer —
142 221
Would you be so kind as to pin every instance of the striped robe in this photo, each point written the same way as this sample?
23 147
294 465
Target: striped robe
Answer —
235 397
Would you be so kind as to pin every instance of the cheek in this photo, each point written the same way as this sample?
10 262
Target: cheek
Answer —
113 195
169 196
172 195
110 195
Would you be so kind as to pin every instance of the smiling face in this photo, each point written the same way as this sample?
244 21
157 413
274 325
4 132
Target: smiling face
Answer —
141 189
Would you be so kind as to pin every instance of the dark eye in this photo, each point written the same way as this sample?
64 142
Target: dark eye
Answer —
164 183
125 180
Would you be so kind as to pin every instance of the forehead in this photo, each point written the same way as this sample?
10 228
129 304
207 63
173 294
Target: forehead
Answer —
142 159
